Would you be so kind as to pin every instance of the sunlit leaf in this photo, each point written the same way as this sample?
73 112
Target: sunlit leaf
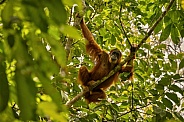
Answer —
72 2
7 13
50 109
182 4
57 11
54 32
70 31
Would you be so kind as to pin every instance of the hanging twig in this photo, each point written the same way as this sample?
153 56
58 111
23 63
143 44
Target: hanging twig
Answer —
123 30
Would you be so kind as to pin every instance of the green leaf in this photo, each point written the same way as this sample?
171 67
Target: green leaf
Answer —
57 11
50 90
172 56
72 2
159 88
70 31
50 109
153 92
165 33
167 19
161 46
176 89
140 78
4 88
173 65
26 92
158 27
167 103
7 14
165 81
182 33
174 15
36 14
91 116
169 115
181 65
147 46
115 107
57 50
176 76
173 97
113 40
174 35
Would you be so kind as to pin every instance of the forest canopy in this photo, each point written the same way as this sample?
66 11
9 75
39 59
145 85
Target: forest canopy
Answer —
42 49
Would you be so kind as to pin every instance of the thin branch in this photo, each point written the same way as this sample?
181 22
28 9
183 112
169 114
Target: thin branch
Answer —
123 30
69 41
117 68
134 109
76 98
132 102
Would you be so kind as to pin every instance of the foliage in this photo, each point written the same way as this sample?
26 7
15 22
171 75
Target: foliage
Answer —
38 77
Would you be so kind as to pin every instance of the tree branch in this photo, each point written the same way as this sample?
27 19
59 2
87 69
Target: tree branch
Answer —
123 30
117 68
134 109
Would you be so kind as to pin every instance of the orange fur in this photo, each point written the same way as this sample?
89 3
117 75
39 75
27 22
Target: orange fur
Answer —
103 65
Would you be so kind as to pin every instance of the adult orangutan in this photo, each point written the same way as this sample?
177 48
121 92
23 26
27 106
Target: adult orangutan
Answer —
104 63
